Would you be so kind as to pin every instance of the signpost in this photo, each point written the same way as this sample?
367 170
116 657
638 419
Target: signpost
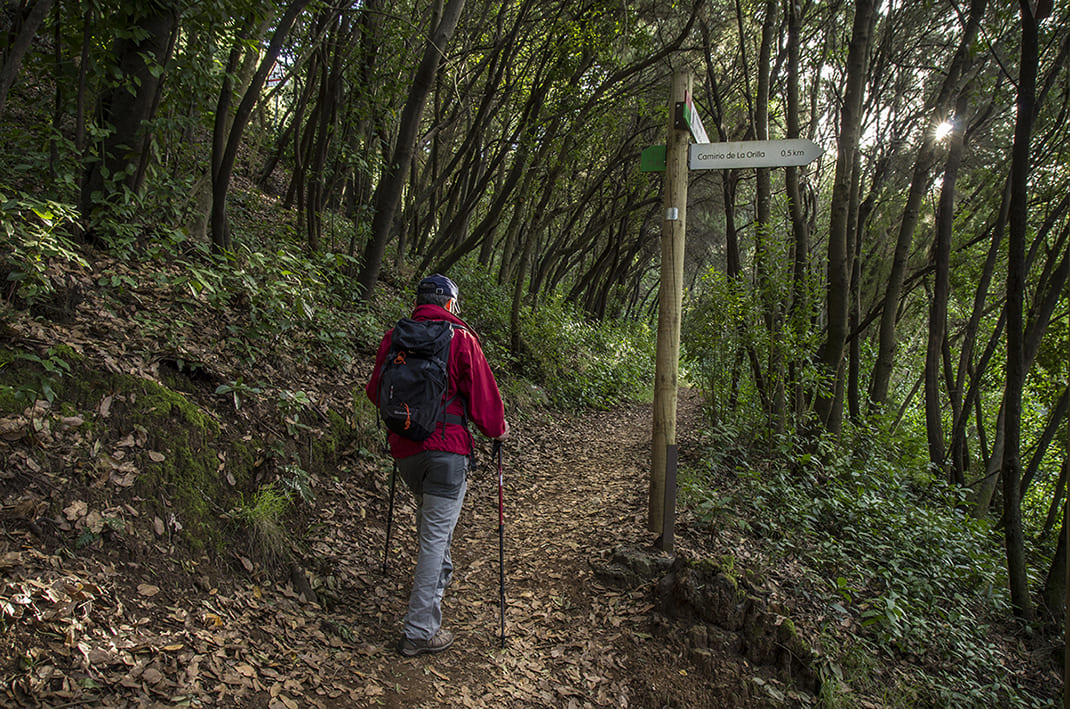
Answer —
674 159
661 512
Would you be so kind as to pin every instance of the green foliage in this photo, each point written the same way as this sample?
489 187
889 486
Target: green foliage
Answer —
263 516
585 363
890 555
238 391
34 232
297 481
723 338
278 296
572 360
33 383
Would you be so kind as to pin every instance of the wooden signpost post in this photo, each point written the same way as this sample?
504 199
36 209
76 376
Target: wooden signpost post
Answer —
674 159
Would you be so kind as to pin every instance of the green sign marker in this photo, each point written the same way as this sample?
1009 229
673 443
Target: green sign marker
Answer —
652 159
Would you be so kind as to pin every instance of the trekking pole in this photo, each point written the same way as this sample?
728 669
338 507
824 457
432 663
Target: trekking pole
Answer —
390 514
501 538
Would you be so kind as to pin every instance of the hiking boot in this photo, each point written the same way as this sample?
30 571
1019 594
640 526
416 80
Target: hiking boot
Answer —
411 648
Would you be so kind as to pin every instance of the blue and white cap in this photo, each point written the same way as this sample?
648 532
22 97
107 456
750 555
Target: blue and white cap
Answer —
438 285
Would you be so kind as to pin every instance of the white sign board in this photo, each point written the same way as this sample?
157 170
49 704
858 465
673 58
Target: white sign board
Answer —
753 153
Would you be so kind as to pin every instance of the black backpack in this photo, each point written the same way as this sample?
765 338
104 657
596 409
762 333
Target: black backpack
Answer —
413 380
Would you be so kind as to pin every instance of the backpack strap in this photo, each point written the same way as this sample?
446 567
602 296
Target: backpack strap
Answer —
462 419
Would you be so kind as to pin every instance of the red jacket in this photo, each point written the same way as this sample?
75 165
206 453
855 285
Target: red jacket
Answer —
470 377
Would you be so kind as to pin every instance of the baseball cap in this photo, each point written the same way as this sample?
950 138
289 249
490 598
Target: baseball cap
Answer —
438 285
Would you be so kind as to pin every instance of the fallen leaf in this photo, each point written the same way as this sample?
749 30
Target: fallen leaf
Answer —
147 589
152 675
94 522
124 480
68 422
246 669
157 457
76 510
12 429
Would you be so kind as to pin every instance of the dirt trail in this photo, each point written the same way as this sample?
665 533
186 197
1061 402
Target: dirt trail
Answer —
574 490
128 622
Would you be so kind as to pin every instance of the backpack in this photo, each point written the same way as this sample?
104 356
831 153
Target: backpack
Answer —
413 380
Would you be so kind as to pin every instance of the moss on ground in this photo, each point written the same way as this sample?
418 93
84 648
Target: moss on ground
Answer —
190 468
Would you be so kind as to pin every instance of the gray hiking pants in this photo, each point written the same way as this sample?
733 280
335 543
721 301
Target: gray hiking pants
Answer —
437 480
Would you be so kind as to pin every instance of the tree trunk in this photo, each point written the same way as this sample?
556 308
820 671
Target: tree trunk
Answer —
388 193
1054 593
1016 277
919 187
941 261
13 62
224 155
799 313
960 404
1055 422
125 106
830 355
768 275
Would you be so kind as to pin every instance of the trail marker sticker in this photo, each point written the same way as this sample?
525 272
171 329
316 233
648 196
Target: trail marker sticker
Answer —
687 118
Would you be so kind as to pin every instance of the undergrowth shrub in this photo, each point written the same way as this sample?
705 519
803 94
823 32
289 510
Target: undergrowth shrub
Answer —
263 515
897 564
34 235
587 363
722 331
572 360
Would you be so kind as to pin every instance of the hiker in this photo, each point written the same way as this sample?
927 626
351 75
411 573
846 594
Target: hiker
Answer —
435 468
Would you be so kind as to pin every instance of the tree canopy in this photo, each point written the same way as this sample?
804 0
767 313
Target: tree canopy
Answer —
926 251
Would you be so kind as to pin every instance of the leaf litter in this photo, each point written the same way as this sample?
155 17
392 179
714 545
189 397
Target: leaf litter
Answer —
130 617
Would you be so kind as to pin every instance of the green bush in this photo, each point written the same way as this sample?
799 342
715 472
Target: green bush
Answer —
888 553
722 331
35 235
587 363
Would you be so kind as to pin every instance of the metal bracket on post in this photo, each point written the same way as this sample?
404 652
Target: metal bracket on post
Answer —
680 117
669 519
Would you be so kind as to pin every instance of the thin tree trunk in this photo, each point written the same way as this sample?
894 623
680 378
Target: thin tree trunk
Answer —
223 162
126 106
941 261
919 187
830 355
1016 275
800 306
1055 422
960 405
23 40
388 192
1054 592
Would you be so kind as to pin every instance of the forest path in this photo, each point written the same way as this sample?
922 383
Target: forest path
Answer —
127 622
574 489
